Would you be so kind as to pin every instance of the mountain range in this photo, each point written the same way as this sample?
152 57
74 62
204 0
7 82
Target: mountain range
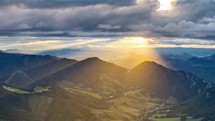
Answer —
203 67
48 88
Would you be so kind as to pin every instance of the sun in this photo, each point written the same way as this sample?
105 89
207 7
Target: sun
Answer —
137 41
131 42
165 5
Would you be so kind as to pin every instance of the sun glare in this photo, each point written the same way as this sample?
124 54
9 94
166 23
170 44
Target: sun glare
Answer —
133 50
165 5
137 41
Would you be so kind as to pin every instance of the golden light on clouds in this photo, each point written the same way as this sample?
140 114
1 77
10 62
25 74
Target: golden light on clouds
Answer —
42 42
130 51
137 41
130 42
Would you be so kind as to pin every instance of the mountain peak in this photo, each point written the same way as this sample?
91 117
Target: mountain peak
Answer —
87 72
149 64
93 59
68 60
159 81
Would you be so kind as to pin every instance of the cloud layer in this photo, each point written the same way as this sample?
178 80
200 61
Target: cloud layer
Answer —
186 19
62 3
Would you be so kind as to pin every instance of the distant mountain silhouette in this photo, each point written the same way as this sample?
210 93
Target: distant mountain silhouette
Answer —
203 67
48 69
9 63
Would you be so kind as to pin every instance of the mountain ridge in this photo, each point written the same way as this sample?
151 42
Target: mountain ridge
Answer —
88 72
110 91
150 76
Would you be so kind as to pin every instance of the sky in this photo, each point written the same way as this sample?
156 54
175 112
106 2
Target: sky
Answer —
39 26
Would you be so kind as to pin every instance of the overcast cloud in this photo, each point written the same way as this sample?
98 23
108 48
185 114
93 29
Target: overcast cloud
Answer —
194 19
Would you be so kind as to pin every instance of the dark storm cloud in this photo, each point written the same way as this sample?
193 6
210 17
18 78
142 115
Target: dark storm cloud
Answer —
85 18
188 18
62 3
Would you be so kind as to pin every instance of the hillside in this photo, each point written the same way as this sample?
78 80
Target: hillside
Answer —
19 79
159 81
73 103
200 106
48 69
92 90
9 63
153 79
86 72
203 67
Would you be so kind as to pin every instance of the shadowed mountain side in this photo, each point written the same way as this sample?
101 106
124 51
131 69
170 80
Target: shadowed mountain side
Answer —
39 107
158 81
202 105
50 68
3 92
203 67
9 63
24 80
19 79
86 72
